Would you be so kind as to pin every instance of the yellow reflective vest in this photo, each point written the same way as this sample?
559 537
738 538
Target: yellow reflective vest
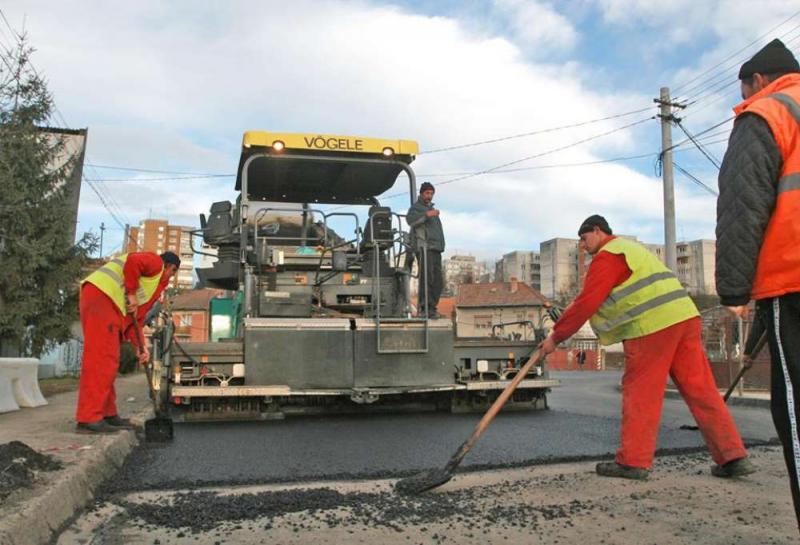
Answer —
110 280
650 300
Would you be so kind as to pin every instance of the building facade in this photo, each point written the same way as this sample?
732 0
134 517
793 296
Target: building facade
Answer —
190 314
696 266
483 309
558 265
155 235
523 265
462 269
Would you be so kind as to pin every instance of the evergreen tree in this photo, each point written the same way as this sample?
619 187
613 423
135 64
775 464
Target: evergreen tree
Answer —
39 268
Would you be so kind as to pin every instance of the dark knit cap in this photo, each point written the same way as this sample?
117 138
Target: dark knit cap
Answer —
593 221
170 258
425 186
772 58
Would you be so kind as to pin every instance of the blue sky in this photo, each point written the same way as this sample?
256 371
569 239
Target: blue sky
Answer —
172 86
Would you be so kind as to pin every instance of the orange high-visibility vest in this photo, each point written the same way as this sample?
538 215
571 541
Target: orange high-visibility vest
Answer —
778 269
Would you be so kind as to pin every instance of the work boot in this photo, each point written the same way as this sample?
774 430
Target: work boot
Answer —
101 426
735 468
613 469
118 422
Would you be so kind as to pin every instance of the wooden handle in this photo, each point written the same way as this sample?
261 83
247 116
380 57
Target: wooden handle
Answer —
139 335
493 410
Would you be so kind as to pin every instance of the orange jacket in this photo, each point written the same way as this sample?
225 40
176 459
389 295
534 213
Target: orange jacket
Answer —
778 268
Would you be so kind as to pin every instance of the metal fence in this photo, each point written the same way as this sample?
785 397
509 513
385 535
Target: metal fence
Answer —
724 338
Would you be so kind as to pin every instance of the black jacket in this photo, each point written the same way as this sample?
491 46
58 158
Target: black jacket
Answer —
748 186
425 228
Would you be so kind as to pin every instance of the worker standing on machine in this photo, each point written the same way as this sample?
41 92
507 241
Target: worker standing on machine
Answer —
111 297
428 242
631 297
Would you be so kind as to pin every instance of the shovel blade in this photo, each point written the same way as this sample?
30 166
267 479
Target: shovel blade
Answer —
158 430
427 480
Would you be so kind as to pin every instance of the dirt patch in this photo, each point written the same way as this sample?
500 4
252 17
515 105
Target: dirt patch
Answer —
19 465
59 385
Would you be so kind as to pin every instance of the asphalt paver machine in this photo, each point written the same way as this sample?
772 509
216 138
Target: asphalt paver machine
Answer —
317 321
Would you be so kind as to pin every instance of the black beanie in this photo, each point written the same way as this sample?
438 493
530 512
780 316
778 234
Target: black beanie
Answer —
170 258
425 186
593 221
772 58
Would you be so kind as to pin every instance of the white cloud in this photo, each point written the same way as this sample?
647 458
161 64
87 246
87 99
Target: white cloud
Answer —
174 87
537 27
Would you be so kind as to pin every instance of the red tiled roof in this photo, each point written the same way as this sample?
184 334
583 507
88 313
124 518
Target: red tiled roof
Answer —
194 299
498 294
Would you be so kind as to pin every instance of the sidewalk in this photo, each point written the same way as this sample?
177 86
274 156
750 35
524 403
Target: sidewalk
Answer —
31 515
749 398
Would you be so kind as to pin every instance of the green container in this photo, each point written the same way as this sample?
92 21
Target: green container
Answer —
224 317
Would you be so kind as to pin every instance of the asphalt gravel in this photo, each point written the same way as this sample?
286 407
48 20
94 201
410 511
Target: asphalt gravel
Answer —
19 465
197 512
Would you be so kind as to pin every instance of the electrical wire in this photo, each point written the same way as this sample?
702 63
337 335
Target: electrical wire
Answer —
737 52
106 199
695 180
157 171
714 160
533 133
548 152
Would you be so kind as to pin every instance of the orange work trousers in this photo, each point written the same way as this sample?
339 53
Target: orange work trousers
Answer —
101 322
676 351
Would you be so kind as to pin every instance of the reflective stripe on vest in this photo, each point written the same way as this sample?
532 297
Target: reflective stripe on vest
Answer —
650 300
779 257
110 280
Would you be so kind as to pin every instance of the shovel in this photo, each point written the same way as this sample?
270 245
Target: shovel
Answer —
437 477
158 429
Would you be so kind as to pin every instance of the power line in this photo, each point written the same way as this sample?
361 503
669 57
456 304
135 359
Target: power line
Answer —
517 161
170 179
757 40
714 160
107 200
157 171
532 133
727 76
548 152
694 179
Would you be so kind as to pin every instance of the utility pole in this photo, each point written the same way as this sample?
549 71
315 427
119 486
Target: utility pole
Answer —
102 228
670 253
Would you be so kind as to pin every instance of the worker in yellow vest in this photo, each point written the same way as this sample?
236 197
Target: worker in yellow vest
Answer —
631 297
126 285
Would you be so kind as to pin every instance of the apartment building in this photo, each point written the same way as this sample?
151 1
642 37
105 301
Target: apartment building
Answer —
697 265
559 267
462 269
521 264
155 235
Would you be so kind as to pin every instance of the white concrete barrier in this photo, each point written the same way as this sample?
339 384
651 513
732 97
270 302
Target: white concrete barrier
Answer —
19 384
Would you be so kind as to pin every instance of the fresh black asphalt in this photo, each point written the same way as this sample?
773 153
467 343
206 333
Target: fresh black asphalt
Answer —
583 423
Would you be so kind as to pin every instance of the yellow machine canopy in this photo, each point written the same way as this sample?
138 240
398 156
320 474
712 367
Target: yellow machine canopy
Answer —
320 168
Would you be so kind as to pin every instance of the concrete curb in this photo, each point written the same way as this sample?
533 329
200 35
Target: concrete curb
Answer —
733 400
71 490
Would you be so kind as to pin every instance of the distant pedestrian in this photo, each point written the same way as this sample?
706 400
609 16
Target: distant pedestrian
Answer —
428 241
115 294
631 297
758 228
581 358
